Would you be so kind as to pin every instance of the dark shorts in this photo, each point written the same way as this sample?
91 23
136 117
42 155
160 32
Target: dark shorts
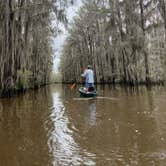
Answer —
89 85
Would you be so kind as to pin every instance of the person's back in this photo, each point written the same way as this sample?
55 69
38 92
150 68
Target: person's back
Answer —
89 75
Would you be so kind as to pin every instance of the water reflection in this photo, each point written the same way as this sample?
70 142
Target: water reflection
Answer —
92 113
22 138
61 142
47 127
122 132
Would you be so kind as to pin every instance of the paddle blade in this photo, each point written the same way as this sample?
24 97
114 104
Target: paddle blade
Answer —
72 86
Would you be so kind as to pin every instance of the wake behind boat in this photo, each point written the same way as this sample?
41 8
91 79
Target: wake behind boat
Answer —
84 93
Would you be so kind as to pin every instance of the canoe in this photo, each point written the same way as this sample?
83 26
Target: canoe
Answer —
84 93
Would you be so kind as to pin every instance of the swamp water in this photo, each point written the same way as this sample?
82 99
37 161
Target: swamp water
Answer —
53 126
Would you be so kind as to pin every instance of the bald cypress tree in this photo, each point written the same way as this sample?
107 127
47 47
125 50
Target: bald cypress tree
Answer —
26 32
116 37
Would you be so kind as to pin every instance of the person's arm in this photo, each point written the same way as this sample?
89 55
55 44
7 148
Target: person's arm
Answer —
84 74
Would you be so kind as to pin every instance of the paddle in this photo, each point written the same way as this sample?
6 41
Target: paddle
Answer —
72 86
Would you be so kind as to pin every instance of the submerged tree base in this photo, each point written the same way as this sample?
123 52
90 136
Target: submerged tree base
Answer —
11 93
15 92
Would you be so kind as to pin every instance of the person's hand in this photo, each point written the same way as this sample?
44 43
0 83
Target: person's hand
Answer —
85 69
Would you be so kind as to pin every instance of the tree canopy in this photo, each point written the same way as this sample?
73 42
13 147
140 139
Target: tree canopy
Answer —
26 31
122 39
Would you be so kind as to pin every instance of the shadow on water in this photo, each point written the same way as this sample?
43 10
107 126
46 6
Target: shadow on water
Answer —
49 127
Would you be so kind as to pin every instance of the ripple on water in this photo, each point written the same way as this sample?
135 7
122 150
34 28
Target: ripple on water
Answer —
61 143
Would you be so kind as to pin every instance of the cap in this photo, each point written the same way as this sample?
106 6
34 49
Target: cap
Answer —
89 67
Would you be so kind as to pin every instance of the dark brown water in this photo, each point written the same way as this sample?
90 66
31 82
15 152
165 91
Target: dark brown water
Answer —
54 127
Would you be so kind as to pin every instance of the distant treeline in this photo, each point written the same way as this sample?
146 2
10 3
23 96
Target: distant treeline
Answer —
26 30
124 40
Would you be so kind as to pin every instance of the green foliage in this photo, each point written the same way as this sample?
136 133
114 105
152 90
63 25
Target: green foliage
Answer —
24 79
26 32
55 78
113 36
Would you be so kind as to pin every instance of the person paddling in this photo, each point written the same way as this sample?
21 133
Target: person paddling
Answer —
89 78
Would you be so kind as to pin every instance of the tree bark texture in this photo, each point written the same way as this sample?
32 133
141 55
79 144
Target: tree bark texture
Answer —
122 39
26 32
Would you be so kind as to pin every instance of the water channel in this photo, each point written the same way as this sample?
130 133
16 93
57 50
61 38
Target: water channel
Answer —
53 126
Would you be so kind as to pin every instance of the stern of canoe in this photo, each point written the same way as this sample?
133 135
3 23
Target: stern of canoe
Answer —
84 93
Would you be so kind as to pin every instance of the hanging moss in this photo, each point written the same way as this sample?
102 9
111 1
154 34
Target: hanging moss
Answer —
24 79
26 32
115 38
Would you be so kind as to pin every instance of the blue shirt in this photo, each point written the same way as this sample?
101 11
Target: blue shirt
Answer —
88 74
